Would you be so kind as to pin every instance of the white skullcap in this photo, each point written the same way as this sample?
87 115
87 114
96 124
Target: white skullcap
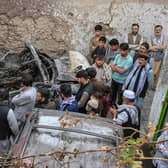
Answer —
129 94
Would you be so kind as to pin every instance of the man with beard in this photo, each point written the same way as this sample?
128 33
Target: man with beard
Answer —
140 78
157 45
127 114
134 39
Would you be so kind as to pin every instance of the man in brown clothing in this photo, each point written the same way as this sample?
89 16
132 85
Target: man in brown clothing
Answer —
134 39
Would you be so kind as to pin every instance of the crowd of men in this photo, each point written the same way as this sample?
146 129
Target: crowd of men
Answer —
115 84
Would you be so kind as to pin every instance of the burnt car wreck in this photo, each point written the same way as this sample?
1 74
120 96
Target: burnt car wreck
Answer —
13 67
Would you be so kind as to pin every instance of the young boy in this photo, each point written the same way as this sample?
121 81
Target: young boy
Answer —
92 107
106 102
69 102
94 41
100 49
98 97
103 70
112 51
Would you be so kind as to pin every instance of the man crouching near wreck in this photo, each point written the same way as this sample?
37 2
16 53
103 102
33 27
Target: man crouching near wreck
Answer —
25 101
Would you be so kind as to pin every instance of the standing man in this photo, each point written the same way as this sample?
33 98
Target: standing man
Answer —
140 78
134 39
85 90
127 114
25 101
120 67
8 126
157 45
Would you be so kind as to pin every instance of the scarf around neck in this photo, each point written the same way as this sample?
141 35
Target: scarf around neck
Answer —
142 79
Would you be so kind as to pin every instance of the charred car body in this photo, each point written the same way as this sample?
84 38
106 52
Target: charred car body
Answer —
30 61
45 71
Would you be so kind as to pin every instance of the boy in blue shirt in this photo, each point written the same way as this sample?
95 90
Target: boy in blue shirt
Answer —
69 102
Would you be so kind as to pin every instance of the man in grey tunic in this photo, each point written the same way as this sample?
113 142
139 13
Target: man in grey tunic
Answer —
25 101
127 114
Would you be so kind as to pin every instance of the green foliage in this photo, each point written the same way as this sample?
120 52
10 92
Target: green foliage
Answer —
127 153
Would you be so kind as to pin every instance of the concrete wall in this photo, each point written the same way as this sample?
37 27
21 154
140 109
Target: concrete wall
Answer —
55 25
160 93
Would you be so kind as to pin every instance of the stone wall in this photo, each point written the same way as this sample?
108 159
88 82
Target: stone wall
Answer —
160 93
58 25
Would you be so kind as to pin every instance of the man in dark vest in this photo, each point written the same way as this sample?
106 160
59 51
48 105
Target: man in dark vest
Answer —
134 39
85 90
8 126
127 114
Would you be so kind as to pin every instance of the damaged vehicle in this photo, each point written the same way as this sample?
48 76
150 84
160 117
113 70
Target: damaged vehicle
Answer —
45 71
58 139
13 67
